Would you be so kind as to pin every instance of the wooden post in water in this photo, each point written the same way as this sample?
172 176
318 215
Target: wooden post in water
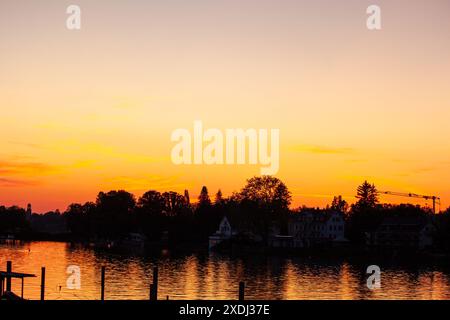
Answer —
8 279
151 291
42 283
102 295
155 284
241 291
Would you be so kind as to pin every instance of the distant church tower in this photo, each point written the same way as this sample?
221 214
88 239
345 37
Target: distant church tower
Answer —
29 212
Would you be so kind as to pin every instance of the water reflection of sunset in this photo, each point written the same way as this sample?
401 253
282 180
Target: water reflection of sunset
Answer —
213 276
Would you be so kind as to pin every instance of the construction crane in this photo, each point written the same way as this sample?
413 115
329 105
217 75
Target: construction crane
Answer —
413 195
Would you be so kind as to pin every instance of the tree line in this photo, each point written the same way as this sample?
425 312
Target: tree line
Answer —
260 206
263 200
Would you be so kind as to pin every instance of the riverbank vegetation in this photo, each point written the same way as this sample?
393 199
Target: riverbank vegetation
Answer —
259 208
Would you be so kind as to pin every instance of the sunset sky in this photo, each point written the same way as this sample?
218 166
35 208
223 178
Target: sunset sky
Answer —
93 110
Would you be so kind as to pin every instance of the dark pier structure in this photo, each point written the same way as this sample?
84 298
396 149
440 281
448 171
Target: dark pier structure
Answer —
5 283
7 294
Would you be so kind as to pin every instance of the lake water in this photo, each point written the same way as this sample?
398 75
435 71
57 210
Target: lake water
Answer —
212 276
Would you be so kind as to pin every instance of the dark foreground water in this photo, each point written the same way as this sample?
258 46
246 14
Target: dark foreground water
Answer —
212 276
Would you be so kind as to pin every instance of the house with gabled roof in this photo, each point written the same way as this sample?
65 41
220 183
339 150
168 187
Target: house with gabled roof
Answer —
224 232
310 228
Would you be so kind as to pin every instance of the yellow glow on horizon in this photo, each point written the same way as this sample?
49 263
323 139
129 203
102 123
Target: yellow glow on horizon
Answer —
93 110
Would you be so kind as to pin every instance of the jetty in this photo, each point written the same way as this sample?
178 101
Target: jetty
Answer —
5 283
7 294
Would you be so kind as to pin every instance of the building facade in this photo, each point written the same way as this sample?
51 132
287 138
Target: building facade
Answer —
403 232
312 228
224 232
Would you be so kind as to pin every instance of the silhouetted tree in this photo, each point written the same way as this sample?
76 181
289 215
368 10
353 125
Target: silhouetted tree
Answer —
149 214
339 204
207 216
12 220
219 198
367 196
443 231
79 219
178 216
366 213
268 192
152 201
203 198
263 202
174 204
186 197
49 223
113 216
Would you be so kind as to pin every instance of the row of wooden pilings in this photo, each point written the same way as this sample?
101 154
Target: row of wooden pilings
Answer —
153 285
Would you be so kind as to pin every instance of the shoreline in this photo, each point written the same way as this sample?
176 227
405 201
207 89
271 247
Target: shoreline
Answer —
352 254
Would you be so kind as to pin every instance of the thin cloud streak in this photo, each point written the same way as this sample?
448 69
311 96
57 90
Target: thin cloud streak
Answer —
14 183
17 168
316 149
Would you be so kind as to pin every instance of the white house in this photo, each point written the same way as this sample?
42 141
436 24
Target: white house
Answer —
224 232
310 228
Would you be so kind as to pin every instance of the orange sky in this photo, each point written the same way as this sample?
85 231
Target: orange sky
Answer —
93 110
